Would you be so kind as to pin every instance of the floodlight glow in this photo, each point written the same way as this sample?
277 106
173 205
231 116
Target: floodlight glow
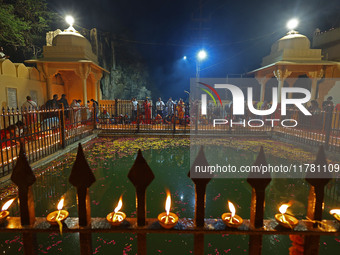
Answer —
70 20
202 54
292 24
185 58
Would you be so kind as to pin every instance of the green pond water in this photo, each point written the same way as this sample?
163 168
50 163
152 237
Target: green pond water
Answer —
170 167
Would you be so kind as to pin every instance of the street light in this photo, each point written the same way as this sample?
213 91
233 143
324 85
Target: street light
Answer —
201 55
292 24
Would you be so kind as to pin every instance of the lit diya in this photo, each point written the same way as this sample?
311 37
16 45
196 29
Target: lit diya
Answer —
167 219
4 213
231 219
116 218
285 220
59 216
335 213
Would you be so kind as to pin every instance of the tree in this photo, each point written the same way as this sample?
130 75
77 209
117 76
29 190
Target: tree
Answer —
12 28
23 26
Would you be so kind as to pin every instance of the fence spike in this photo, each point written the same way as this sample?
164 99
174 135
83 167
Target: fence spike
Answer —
82 178
200 188
141 176
258 182
318 182
24 178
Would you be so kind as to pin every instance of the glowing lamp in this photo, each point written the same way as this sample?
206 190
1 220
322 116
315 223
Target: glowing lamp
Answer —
70 20
202 54
231 219
116 218
292 24
59 216
4 213
285 220
335 213
167 219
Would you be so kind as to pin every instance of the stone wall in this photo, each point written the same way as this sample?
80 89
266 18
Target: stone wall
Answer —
17 79
128 75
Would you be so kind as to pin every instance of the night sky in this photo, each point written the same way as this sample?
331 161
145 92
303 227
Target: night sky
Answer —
236 34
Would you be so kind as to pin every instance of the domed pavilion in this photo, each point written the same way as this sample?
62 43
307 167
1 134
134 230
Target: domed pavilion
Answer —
71 58
291 57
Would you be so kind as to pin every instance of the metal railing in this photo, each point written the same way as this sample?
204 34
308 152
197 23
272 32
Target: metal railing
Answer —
305 236
42 131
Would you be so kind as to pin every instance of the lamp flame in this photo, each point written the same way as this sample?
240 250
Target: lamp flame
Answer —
335 211
283 208
232 209
7 204
61 204
168 203
119 206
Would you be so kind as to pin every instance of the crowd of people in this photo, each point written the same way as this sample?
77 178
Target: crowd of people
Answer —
30 121
169 112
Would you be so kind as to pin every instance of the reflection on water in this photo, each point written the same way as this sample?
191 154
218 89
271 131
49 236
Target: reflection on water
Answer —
170 167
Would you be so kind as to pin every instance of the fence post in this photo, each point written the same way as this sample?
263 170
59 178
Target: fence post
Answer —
24 178
95 116
62 128
82 178
258 182
328 127
137 118
141 176
200 194
318 182
196 121
116 107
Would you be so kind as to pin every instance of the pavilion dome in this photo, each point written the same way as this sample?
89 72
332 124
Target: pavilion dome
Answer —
69 46
293 40
292 47
68 38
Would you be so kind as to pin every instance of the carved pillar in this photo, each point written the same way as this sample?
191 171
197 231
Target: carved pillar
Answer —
315 77
97 93
48 74
263 82
281 75
83 72
291 82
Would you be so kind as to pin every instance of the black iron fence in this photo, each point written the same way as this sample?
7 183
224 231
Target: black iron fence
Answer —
305 235
42 131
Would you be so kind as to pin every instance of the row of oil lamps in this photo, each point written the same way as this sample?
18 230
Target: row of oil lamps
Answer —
167 219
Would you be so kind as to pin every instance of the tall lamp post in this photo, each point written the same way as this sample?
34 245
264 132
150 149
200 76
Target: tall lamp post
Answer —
201 55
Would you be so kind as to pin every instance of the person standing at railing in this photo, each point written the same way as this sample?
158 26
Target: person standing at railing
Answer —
134 104
328 107
29 106
95 106
170 106
160 107
52 103
180 110
147 109
62 102
76 112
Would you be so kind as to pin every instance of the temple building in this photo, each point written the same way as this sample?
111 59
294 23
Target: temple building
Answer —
68 66
71 58
292 57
